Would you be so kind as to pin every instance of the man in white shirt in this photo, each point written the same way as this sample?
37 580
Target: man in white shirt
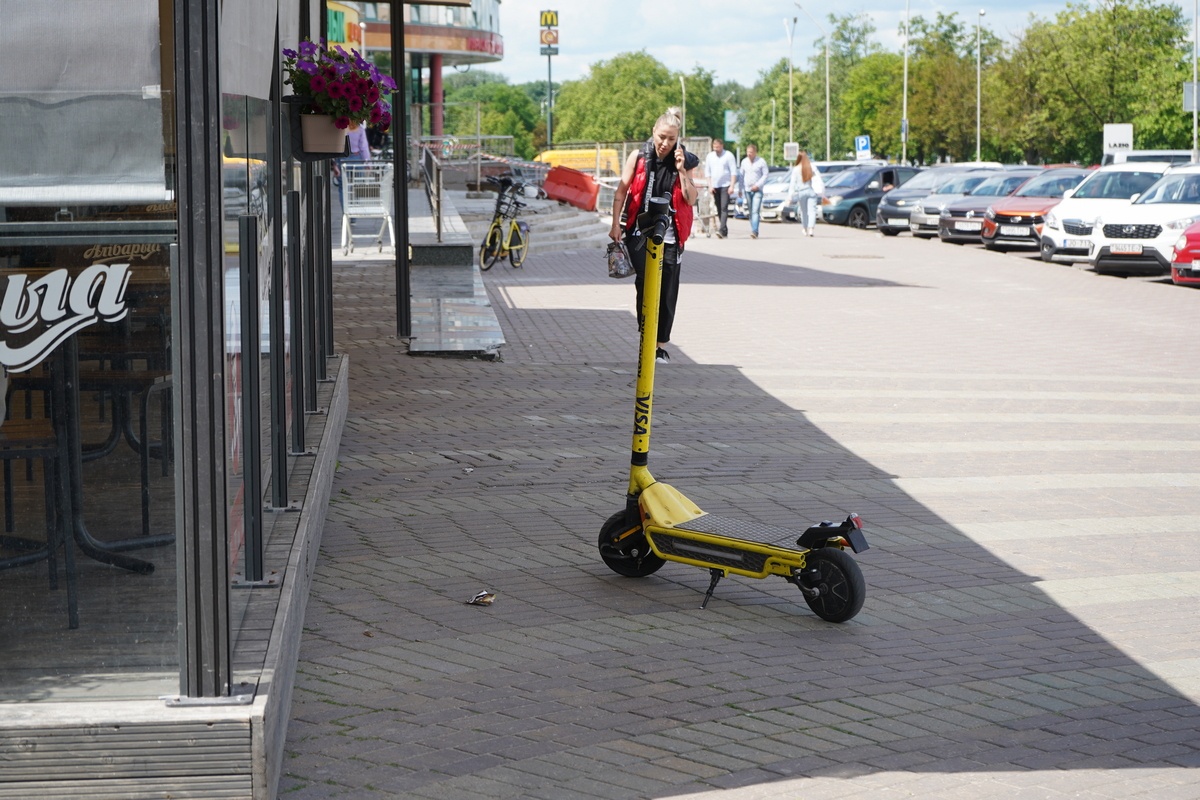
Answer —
754 175
720 167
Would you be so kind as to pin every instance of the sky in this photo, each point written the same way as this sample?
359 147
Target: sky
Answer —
736 40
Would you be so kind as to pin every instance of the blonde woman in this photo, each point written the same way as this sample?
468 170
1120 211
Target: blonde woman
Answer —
660 168
806 186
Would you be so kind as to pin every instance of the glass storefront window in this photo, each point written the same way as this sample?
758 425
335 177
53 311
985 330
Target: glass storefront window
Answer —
88 606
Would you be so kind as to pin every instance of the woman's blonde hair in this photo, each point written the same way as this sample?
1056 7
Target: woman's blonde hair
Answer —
671 117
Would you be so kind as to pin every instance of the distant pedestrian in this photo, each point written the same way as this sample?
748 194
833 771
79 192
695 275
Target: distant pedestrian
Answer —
754 175
805 185
360 147
664 166
720 166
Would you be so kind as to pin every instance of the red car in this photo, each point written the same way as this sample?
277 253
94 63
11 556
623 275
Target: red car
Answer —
1185 262
1016 220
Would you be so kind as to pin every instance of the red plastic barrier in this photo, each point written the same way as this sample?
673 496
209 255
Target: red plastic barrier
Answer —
572 186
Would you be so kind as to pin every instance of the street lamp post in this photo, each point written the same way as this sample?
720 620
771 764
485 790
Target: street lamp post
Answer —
1195 55
904 102
773 161
791 31
978 83
362 39
828 149
683 121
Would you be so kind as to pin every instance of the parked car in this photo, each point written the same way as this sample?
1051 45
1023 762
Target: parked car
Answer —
1170 156
739 209
827 168
1185 259
923 219
896 207
1016 220
775 198
852 196
1066 236
961 221
1140 238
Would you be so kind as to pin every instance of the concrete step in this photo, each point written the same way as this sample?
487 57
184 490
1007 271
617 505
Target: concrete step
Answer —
554 226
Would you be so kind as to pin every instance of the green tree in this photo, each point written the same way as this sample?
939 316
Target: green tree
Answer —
871 101
942 87
495 109
1115 61
618 100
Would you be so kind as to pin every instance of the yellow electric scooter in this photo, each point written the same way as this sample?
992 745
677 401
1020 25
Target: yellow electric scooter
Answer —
659 524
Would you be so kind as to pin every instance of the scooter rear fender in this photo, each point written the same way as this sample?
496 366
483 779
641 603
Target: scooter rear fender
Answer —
826 534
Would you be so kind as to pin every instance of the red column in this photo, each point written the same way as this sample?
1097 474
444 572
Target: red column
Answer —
436 110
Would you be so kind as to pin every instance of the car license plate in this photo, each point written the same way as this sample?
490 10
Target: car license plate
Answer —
1014 230
1081 244
898 223
1127 249
967 226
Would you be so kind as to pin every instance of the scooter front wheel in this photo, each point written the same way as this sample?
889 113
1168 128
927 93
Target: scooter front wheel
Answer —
832 583
636 561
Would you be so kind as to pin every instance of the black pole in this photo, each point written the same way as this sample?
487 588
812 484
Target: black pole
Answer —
278 333
251 406
400 182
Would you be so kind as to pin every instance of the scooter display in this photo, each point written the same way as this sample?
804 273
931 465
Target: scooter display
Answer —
659 524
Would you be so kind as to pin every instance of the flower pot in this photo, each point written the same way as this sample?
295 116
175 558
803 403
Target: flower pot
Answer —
320 135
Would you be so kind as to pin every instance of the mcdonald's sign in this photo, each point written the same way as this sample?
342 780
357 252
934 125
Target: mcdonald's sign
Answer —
549 19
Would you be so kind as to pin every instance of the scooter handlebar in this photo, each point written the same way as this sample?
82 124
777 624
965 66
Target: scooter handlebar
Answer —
653 221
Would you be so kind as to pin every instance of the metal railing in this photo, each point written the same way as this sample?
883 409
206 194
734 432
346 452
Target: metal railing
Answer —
431 173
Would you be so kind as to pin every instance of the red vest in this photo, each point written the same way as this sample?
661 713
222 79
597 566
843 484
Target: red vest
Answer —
682 210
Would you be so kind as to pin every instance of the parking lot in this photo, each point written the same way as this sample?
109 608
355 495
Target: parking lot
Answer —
1020 438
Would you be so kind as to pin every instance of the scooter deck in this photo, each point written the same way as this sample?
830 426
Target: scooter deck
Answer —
729 543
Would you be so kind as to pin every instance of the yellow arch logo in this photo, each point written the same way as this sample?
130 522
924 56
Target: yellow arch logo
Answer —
549 19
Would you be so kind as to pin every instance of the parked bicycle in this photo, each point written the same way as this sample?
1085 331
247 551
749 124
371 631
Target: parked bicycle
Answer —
506 236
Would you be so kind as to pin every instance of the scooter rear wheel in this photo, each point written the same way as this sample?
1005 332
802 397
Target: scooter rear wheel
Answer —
639 565
840 581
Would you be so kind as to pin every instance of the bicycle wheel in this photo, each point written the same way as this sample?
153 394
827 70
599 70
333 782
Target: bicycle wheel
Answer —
489 251
518 246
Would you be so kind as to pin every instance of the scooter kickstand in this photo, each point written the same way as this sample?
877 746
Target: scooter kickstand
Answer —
716 576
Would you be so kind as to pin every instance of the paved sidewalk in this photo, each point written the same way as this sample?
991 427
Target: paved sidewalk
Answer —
1021 439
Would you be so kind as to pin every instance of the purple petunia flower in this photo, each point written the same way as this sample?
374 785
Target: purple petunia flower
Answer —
342 122
305 66
308 49
290 53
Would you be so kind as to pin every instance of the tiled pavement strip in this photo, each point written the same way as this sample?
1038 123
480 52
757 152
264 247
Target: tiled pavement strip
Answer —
1020 438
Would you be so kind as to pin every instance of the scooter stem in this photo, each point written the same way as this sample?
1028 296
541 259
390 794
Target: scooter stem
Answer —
653 225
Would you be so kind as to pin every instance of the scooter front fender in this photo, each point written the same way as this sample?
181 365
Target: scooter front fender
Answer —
664 505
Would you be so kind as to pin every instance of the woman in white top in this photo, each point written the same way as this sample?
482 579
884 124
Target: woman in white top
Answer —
806 186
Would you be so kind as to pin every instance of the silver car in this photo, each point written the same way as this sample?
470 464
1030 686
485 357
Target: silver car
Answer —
923 220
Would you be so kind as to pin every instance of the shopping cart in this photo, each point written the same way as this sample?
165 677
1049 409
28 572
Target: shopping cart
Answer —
367 192
706 208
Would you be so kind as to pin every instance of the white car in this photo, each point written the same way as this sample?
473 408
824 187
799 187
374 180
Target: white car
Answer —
775 197
1066 235
1139 238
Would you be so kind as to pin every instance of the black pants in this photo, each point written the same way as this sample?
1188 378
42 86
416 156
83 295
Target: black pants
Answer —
669 294
721 198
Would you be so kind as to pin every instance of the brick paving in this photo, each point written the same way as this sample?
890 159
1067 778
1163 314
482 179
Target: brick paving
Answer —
1020 438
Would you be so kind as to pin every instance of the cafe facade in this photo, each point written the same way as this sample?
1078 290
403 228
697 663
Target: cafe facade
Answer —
173 400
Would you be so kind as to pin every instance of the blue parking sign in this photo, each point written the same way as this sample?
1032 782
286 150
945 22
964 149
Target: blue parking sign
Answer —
862 147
